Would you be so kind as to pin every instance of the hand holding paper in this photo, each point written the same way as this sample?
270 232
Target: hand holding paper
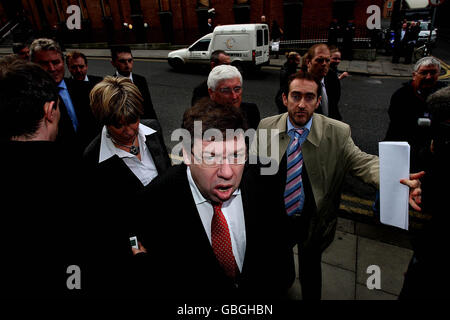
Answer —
394 166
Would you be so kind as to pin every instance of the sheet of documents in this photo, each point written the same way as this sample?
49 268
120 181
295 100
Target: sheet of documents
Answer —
394 196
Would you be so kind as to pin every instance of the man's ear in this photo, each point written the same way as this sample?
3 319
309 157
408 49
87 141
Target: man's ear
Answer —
112 63
50 111
285 102
211 93
319 99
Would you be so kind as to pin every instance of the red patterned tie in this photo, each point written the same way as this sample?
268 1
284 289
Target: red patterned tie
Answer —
221 242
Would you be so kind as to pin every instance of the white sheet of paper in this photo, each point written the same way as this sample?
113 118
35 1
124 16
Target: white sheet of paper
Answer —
394 196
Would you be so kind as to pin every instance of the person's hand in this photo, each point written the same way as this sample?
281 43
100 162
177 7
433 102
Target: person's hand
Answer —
140 250
343 75
415 192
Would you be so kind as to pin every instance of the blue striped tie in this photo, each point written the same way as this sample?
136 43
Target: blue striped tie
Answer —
293 194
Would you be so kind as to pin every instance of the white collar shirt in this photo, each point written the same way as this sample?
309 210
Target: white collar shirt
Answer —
129 77
144 169
233 212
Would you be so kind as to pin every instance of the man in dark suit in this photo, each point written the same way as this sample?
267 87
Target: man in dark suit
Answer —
40 228
77 126
218 57
122 61
318 63
225 87
218 233
77 64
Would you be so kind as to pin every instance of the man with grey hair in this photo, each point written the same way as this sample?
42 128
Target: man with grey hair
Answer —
408 111
218 57
423 279
225 88
77 126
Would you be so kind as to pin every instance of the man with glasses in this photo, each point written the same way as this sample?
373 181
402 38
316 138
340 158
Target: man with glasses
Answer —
314 155
225 87
122 61
218 57
219 239
408 112
318 60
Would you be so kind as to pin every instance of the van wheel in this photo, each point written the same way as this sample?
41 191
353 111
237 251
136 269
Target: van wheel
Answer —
176 63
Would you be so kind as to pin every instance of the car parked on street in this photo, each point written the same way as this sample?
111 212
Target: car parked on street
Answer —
424 33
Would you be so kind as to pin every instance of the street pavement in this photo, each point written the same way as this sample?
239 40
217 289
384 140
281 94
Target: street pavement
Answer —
359 243
382 66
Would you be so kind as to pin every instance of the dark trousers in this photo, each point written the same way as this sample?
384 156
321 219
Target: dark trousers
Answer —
310 273
309 260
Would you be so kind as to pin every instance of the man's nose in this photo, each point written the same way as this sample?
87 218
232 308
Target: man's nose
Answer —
225 170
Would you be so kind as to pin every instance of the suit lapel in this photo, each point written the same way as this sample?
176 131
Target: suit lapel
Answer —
154 147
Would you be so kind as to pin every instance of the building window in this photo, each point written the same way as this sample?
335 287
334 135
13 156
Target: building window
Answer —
292 13
344 10
135 6
164 5
389 4
241 11
106 8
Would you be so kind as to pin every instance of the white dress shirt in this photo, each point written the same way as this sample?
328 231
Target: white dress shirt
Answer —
144 169
233 212
129 77
324 102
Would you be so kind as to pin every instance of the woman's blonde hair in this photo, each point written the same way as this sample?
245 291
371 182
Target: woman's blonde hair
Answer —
116 100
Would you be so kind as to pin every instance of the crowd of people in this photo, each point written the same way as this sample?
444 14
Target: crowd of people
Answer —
92 184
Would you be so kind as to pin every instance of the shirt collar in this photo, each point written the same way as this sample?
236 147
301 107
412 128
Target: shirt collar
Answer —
62 84
197 195
129 77
290 126
108 150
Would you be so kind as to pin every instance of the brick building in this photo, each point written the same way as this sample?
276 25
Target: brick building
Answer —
182 21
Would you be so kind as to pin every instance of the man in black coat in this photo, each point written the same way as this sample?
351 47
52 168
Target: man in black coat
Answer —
225 88
214 230
318 60
408 113
423 279
41 229
218 57
77 126
122 61
77 64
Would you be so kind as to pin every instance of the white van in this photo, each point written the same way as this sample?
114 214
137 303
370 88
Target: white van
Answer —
247 45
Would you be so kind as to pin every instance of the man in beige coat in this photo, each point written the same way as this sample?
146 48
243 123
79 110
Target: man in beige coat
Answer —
328 153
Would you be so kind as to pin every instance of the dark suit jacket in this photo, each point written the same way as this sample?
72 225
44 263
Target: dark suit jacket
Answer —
183 257
113 188
41 221
114 171
251 114
333 87
141 83
200 91
88 126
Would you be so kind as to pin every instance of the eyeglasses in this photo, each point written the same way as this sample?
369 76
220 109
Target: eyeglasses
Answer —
211 160
237 89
